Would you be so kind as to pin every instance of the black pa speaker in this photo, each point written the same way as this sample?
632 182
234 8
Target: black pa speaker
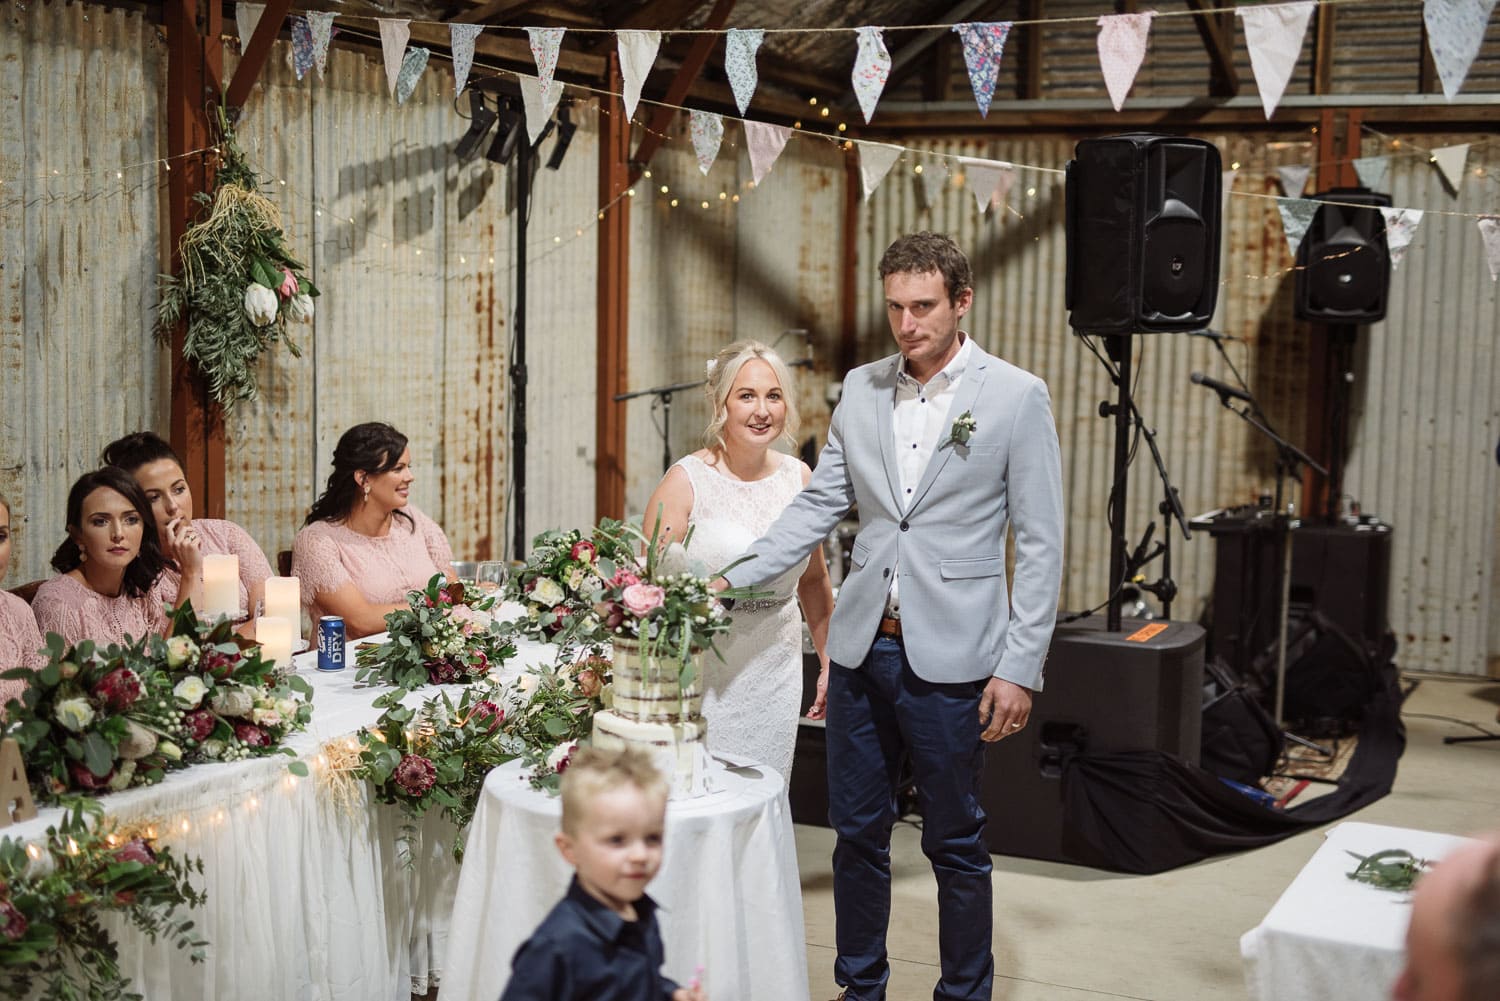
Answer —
1343 264
1143 234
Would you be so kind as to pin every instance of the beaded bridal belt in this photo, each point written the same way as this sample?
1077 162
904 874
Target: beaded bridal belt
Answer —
761 604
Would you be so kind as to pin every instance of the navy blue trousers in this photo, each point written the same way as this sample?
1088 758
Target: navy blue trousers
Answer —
874 715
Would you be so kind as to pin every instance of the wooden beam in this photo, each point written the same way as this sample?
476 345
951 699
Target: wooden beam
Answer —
661 117
1032 38
486 11
1428 81
613 300
1322 68
937 71
257 50
653 14
195 64
848 350
904 59
1219 41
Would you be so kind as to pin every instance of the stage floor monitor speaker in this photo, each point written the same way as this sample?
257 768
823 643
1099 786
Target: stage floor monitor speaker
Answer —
1102 692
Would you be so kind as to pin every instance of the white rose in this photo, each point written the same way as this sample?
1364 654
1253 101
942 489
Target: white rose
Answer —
138 742
266 717
75 714
232 701
260 304
182 650
287 708
300 309
561 753
527 683
546 591
212 748
190 690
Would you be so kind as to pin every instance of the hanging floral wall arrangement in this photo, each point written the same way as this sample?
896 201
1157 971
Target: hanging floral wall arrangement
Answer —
239 286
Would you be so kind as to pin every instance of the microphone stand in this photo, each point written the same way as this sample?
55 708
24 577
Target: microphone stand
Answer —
665 394
1170 508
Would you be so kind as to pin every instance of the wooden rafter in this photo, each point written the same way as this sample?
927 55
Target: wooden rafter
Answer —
613 295
487 12
1031 49
1219 41
1323 49
661 118
257 52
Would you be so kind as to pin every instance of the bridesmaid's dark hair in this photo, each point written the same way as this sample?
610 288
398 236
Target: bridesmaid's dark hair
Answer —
372 448
135 450
142 571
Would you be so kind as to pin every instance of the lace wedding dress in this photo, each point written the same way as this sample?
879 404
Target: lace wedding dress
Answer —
752 697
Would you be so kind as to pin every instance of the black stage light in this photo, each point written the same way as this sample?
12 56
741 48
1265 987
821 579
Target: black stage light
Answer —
481 119
565 130
504 146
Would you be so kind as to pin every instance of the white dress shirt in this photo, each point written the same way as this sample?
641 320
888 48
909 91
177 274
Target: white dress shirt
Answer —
919 424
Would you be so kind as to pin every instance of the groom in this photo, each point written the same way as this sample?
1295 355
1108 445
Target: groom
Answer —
940 446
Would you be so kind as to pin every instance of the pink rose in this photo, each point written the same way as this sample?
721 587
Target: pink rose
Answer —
583 551
288 284
589 683
488 715
415 774
135 850
85 779
199 724
12 921
643 599
251 735
623 578
119 688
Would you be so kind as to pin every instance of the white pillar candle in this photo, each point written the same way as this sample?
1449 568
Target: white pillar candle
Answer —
221 586
274 634
284 600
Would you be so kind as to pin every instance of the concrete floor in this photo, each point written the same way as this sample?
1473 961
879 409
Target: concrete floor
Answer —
1066 933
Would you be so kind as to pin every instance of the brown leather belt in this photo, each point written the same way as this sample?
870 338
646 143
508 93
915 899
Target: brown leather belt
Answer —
890 627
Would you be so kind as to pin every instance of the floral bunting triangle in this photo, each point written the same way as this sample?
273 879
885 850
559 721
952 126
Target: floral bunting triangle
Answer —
1296 215
394 34
1294 179
740 46
320 24
872 67
1273 33
1455 31
875 161
766 143
246 17
984 45
302 47
708 133
411 71
544 45
1122 49
1450 162
537 104
1372 171
1489 232
934 179
461 38
1400 226
637 53
983 177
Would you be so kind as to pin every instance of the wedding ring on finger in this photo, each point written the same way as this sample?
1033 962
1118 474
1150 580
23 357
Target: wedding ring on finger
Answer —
1013 726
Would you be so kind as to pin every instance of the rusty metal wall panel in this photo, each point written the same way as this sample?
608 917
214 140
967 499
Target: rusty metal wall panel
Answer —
81 137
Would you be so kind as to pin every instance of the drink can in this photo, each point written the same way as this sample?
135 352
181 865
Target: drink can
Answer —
331 643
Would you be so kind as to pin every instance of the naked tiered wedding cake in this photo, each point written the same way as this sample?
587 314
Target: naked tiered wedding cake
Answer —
653 712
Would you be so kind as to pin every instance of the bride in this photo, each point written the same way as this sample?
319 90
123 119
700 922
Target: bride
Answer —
729 492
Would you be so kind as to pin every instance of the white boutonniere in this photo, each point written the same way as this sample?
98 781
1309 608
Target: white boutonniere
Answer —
963 429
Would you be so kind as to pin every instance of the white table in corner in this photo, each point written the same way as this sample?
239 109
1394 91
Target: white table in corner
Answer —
730 896
1329 936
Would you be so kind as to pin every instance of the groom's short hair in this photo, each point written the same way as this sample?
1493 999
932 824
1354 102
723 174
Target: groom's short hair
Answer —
925 252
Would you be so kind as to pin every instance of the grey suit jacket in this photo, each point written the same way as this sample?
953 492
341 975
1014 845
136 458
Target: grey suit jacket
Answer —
949 542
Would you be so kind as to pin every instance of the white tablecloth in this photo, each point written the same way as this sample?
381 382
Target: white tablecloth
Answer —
730 897
1330 936
306 900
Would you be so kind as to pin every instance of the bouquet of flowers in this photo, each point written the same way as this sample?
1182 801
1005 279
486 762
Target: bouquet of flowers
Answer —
53 945
551 710
558 583
446 637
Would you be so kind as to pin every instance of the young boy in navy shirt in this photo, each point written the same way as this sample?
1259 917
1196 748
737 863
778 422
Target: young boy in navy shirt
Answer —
601 942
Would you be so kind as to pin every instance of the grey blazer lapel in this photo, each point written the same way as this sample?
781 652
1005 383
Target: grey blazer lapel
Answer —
963 400
885 409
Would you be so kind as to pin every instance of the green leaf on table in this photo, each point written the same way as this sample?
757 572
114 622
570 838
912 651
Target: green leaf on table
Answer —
98 755
298 768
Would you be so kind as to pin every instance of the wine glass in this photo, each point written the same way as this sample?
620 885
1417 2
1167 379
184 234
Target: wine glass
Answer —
490 575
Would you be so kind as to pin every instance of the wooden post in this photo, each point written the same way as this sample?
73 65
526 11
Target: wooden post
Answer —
611 325
195 67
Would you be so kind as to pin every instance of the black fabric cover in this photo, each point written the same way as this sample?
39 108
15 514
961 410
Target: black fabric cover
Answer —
1147 811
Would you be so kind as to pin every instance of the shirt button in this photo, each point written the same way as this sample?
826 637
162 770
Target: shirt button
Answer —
886 572
905 526
913 444
908 489
924 399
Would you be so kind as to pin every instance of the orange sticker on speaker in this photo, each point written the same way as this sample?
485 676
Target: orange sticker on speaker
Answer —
1144 633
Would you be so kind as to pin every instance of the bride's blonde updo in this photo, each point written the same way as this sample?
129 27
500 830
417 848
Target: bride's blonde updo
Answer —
724 368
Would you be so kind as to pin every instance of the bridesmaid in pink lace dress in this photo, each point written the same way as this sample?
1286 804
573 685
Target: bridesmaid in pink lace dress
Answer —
157 469
364 545
19 639
108 564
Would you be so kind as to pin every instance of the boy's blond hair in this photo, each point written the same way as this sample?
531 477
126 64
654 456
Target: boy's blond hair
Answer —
593 771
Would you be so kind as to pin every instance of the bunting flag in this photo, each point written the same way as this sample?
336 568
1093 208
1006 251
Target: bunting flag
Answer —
537 104
934 178
320 24
411 71
984 44
544 45
708 134
1489 232
875 161
1296 216
984 177
740 46
302 47
1273 33
1372 171
246 17
1122 48
872 67
1455 30
1294 179
461 37
394 34
1400 226
766 143
1450 161
637 53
